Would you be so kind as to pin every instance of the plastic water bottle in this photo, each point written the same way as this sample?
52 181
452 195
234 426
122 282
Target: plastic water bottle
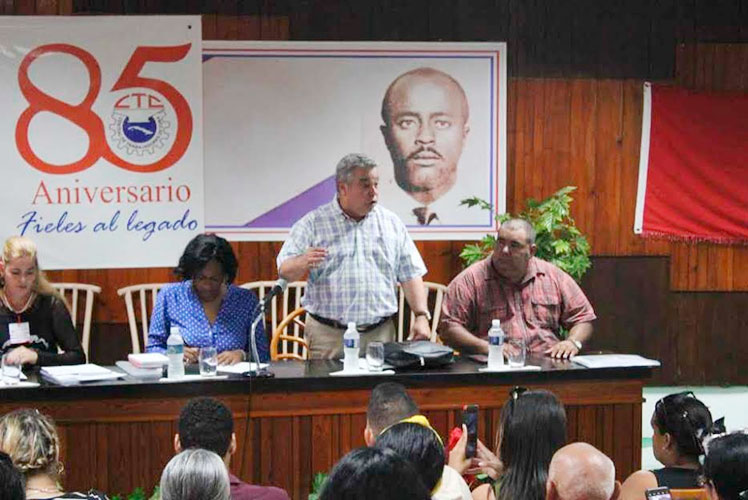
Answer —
175 353
351 342
495 346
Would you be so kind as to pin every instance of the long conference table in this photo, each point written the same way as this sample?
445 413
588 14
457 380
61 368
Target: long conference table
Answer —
118 435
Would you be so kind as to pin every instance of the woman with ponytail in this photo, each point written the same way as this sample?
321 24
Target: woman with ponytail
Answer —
680 423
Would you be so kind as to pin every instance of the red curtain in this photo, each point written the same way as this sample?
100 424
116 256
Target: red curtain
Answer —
696 184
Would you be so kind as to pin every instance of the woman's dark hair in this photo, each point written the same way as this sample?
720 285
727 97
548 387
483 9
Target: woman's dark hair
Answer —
687 420
533 427
11 480
373 474
726 465
420 446
202 249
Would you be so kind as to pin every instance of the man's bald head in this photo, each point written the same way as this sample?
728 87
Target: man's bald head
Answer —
425 114
580 471
403 83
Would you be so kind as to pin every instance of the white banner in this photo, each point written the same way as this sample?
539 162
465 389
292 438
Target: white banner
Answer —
279 116
101 138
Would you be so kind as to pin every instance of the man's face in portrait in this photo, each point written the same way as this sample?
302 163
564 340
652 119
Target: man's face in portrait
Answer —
425 115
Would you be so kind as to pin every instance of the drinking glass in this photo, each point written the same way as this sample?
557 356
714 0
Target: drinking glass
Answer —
515 352
208 359
11 371
375 356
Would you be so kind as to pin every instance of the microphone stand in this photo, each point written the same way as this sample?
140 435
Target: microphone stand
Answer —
261 371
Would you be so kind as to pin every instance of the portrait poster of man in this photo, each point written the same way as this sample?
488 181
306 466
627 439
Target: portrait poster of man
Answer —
279 115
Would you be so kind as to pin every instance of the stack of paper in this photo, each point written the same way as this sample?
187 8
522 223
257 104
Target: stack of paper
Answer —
148 360
613 360
75 374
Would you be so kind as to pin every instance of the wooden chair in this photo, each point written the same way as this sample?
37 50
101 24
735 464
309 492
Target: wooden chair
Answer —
72 293
288 338
434 299
689 494
281 306
146 296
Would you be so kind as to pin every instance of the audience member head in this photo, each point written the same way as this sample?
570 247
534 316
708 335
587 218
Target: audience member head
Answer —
532 428
195 474
417 442
680 423
31 440
11 480
726 467
373 473
389 403
19 269
580 471
210 263
208 424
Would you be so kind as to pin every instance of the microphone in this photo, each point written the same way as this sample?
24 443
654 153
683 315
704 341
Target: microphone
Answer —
259 315
279 287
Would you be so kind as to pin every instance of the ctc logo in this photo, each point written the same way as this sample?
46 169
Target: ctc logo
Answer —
138 124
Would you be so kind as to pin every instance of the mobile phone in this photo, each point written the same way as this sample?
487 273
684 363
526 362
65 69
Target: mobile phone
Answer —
662 493
470 419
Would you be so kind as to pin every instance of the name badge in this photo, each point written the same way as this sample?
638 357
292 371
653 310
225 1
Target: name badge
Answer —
20 333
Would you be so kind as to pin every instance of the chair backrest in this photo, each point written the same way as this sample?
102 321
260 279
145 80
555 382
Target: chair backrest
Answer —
434 299
72 293
689 494
288 338
281 306
145 294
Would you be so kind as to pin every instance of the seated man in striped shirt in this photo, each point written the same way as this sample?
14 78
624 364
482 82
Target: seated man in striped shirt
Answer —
532 298
356 252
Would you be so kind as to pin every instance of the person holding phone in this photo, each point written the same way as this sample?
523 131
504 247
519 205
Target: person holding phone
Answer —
679 424
390 404
532 427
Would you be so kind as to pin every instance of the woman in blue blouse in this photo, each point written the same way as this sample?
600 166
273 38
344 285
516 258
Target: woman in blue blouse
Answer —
206 306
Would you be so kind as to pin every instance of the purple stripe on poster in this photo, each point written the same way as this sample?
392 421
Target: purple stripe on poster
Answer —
287 213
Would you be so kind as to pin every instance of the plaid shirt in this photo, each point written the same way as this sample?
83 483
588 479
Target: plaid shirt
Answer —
546 298
365 260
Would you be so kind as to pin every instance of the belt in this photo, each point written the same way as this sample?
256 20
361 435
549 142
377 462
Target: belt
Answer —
361 328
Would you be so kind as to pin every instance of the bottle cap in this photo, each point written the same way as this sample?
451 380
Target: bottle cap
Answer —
351 325
496 323
174 330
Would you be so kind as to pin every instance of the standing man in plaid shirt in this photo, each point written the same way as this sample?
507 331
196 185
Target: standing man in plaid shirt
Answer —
531 297
356 252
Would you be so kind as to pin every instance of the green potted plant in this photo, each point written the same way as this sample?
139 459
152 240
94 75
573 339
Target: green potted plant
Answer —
558 239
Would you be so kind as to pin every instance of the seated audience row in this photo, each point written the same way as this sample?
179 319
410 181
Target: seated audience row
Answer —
405 457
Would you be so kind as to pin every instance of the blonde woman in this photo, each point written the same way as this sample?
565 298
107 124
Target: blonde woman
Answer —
34 320
31 440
